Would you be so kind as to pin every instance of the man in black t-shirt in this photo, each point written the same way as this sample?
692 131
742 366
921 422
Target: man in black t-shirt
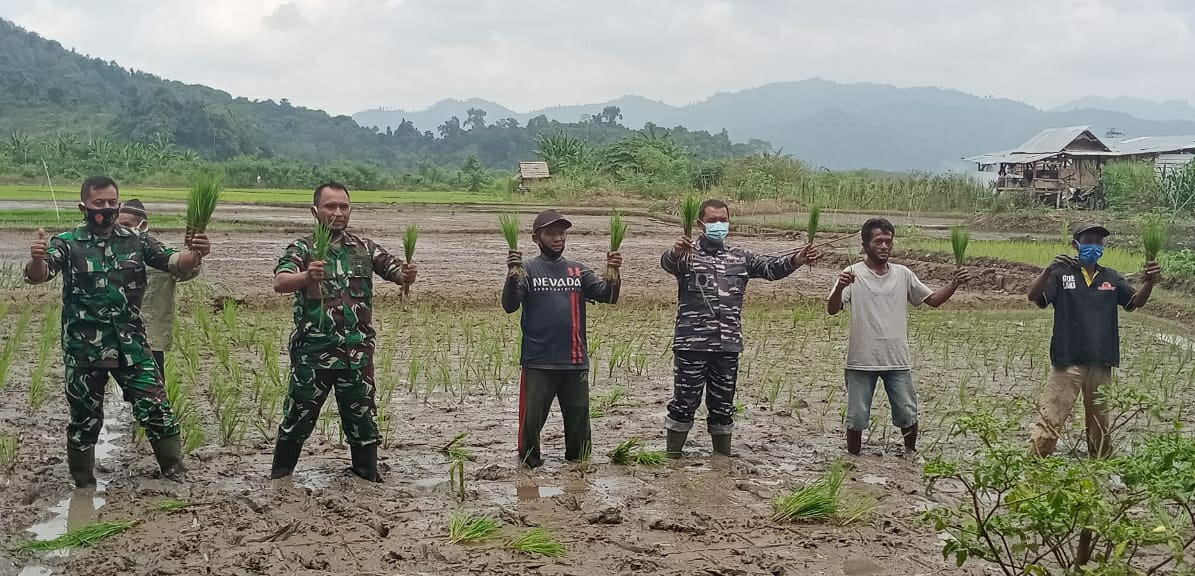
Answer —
555 350
1085 345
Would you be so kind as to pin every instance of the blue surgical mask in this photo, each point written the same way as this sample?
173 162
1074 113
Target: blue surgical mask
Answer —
717 231
1089 254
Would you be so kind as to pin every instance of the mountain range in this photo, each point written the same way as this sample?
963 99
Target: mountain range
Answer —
843 126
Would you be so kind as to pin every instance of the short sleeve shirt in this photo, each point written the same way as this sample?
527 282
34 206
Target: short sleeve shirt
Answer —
879 308
1086 320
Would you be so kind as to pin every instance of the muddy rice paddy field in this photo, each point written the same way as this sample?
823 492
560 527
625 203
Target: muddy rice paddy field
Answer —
447 364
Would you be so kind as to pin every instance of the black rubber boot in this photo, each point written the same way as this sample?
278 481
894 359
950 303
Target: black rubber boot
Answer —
365 462
910 435
286 457
676 444
854 441
721 444
82 466
169 453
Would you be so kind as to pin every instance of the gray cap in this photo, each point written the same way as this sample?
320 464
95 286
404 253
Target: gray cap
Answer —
1084 227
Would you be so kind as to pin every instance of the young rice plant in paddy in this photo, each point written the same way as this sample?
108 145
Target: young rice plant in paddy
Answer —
466 527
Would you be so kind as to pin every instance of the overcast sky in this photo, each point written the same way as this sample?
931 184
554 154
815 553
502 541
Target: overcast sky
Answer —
347 55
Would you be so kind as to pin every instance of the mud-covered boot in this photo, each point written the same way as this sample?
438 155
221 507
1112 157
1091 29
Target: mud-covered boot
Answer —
854 441
721 444
676 444
286 457
82 466
169 454
365 462
910 436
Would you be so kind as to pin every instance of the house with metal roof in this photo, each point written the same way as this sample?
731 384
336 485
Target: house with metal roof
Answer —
1166 152
1058 165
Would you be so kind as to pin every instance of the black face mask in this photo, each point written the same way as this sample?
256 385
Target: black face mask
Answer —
101 217
549 253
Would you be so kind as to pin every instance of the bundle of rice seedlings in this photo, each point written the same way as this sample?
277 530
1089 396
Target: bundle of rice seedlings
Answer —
464 527
631 452
537 541
688 213
510 230
170 505
201 202
618 231
815 217
408 248
79 537
959 238
816 501
1153 237
323 247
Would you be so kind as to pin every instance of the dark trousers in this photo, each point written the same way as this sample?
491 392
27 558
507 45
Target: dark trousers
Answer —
714 373
536 392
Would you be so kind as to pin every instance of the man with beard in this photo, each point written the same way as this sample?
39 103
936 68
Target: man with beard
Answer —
711 282
555 349
879 294
103 282
1085 345
333 342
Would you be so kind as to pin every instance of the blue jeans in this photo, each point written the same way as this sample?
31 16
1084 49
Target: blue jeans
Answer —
860 389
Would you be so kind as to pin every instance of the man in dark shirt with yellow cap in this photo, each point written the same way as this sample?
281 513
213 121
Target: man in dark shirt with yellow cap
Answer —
1085 346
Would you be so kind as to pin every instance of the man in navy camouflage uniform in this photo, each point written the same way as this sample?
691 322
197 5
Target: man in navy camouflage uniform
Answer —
103 282
333 342
711 280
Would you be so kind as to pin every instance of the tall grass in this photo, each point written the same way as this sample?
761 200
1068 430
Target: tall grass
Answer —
46 342
12 343
1129 183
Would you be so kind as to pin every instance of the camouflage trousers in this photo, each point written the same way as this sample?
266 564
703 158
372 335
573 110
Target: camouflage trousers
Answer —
715 374
309 388
142 387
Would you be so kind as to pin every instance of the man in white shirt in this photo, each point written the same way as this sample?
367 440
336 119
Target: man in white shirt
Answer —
879 294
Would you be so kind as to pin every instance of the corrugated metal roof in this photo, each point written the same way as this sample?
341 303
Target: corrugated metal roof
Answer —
1054 140
533 170
1153 144
1009 157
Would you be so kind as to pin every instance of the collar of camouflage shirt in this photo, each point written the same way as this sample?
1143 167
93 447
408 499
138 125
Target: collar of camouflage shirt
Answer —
710 246
348 239
83 232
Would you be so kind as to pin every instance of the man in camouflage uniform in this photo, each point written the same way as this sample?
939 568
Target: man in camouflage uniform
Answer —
333 342
103 281
157 307
711 280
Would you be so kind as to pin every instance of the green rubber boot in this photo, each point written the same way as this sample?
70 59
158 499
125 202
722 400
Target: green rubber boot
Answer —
169 453
676 444
286 457
722 444
365 462
81 464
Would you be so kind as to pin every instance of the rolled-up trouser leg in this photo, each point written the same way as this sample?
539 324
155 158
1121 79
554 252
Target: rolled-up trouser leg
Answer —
85 398
143 389
305 397
721 377
573 394
536 392
355 397
689 380
1062 390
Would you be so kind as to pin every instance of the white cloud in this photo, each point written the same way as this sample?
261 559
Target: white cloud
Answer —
347 55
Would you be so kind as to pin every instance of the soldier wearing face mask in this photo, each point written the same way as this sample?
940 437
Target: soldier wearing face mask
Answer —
1085 345
103 265
157 307
711 280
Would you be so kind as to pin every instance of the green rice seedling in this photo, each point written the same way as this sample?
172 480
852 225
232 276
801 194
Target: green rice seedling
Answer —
170 505
537 541
688 213
1154 234
856 508
409 238
46 342
815 217
80 537
602 405
510 230
816 501
464 527
12 343
10 445
618 232
631 452
457 456
959 238
201 202
322 238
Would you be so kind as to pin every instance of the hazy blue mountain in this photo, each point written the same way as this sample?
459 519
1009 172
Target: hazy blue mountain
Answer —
1145 109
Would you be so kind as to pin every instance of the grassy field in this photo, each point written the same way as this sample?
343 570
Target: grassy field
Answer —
32 219
1035 253
67 196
